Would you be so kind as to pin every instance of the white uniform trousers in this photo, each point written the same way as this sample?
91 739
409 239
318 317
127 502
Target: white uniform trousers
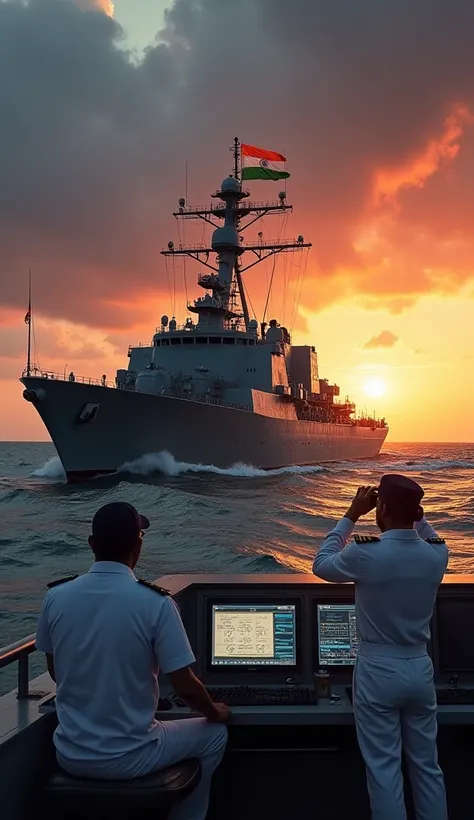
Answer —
395 709
174 740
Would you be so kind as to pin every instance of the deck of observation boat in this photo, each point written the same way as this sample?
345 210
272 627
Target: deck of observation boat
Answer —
289 754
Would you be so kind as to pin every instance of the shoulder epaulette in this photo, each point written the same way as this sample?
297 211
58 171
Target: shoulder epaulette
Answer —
148 584
435 541
366 539
61 581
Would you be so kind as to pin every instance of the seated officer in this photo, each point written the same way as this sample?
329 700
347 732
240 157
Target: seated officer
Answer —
105 635
396 580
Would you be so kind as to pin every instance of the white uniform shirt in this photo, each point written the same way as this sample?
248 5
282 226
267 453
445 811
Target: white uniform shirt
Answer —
109 635
396 580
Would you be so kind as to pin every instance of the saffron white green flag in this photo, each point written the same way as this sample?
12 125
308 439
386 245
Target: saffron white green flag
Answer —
260 164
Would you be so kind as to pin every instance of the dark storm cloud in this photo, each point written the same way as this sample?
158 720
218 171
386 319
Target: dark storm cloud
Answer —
93 142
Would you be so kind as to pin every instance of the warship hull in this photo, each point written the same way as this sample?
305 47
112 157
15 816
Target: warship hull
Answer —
128 425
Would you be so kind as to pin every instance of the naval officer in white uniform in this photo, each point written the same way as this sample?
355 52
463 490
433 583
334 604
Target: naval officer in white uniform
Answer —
396 580
106 635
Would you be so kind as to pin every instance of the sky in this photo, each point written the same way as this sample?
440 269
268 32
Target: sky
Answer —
103 104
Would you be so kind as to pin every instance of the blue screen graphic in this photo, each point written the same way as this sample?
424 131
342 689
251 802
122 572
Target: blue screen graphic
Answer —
337 634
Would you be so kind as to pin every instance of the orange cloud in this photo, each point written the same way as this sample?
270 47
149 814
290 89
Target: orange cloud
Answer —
389 181
384 339
105 6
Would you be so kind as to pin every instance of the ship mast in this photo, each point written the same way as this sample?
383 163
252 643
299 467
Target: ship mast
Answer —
215 311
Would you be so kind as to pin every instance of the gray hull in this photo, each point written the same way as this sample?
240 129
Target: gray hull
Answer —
129 425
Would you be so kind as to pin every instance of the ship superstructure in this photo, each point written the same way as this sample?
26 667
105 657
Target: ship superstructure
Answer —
257 398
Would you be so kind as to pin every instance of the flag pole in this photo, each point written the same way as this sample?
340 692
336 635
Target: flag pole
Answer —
236 158
28 360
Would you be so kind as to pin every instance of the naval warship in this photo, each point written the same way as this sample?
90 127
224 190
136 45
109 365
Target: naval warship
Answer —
222 388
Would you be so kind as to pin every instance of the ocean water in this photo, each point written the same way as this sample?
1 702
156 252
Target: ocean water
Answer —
205 519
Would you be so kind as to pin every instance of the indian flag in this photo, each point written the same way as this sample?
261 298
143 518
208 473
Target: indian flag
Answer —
260 164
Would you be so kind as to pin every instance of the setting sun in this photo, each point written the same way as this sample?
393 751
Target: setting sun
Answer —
374 387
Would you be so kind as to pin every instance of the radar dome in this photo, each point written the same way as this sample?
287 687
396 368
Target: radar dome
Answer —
225 237
231 185
164 320
173 324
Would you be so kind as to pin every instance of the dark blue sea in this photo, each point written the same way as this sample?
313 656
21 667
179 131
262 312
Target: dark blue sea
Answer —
205 519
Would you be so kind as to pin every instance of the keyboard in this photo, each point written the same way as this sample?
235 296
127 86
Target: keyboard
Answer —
455 697
262 696
445 697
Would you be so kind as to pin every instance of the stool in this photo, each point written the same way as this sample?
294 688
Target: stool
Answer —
158 791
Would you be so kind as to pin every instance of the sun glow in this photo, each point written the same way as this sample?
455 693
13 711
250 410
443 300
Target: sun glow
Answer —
374 387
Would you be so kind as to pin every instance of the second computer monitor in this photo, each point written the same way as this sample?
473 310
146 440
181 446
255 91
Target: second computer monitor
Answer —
337 636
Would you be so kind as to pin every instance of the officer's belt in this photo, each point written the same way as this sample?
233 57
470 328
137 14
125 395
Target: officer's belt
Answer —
392 650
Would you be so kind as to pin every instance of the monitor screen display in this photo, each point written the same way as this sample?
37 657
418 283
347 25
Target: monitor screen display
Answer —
455 619
253 634
337 637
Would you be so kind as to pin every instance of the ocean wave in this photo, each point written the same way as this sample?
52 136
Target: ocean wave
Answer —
166 464
11 495
266 562
428 465
52 469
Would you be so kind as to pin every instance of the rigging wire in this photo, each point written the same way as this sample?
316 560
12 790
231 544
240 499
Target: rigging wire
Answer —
269 288
36 364
302 277
299 285
247 296
285 288
281 227
174 288
169 281
183 242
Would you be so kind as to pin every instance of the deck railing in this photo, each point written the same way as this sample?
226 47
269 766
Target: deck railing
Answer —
19 653
62 377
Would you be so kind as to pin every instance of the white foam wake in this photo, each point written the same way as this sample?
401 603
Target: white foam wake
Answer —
51 469
166 464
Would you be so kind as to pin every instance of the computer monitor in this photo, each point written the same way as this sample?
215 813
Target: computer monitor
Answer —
337 637
454 621
245 634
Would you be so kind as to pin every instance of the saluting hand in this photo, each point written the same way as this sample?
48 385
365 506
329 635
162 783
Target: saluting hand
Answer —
363 502
220 713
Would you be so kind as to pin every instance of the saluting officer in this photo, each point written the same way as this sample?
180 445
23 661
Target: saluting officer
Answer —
396 580
106 635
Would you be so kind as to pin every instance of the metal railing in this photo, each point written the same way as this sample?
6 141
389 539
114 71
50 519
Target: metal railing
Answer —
19 653
49 375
